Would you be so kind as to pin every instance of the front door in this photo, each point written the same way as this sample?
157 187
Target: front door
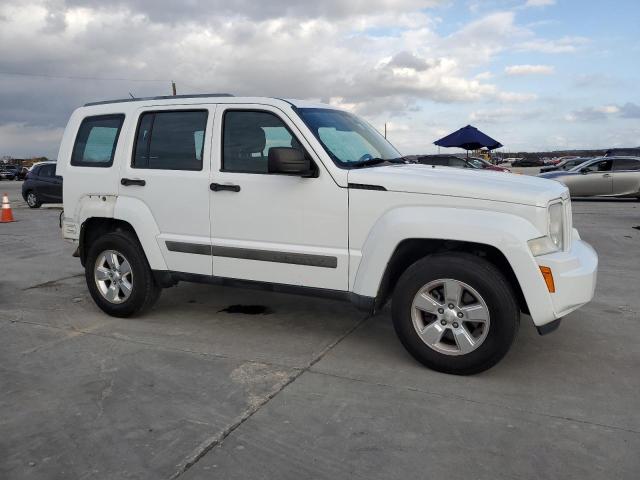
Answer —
271 227
597 180
169 176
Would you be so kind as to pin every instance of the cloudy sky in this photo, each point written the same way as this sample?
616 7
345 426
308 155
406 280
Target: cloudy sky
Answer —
535 74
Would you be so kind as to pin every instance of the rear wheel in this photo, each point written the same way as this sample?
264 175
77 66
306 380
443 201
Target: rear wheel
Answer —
455 313
32 199
118 276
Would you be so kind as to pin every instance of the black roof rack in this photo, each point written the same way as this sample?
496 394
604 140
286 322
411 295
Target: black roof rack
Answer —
162 97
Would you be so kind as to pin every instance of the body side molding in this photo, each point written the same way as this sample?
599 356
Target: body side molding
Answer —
310 260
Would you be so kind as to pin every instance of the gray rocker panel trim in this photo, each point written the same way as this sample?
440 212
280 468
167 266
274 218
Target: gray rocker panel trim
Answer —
310 260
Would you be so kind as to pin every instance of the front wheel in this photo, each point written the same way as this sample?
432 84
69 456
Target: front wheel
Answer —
455 313
118 275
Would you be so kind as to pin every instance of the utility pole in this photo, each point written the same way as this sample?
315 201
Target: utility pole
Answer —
173 87
385 129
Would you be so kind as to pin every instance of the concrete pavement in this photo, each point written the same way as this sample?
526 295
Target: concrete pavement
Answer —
311 389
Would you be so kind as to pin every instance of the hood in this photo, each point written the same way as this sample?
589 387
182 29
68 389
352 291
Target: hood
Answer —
459 182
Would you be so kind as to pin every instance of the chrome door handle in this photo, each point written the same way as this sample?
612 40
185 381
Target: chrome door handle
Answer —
216 187
606 175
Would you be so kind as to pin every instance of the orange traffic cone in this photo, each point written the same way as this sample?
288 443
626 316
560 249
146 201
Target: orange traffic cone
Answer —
7 214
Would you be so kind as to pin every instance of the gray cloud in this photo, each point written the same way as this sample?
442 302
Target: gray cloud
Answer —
410 60
630 110
199 11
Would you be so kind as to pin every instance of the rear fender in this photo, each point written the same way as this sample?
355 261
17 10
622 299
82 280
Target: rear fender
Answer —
137 214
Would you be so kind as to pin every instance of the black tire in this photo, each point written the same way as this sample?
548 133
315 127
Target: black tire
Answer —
145 291
36 202
482 276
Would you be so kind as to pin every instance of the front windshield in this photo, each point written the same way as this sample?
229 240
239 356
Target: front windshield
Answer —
347 139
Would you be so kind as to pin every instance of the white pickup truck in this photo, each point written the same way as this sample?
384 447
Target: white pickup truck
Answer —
299 197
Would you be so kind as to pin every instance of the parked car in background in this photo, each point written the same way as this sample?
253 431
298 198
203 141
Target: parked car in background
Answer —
602 177
42 185
511 159
7 173
18 172
482 163
527 162
565 164
444 161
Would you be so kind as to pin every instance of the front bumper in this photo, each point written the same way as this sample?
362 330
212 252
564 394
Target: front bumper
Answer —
574 275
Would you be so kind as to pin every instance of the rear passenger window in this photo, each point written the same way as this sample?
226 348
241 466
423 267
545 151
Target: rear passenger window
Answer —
47 171
96 141
457 162
170 140
626 164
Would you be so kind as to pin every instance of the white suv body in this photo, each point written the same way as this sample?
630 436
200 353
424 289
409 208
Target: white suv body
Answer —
349 227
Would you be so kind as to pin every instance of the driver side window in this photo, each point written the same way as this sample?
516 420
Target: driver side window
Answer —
604 166
248 135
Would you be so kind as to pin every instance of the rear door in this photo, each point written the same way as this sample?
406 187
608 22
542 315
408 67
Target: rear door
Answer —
626 176
46 188
168 173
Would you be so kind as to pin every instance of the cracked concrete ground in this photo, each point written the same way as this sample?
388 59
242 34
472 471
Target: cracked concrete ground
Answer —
312 390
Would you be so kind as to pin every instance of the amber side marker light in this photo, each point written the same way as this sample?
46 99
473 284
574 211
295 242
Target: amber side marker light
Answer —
548 279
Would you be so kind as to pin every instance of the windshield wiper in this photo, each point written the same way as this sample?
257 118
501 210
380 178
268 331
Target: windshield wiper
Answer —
370 162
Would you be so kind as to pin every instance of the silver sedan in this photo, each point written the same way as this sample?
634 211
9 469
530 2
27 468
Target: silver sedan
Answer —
602 177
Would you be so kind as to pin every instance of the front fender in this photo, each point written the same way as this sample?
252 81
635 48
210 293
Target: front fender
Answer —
507 232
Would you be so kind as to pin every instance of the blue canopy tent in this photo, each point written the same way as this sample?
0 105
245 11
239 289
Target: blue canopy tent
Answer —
469 138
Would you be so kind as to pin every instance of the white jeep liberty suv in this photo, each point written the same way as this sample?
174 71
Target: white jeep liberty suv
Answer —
299 197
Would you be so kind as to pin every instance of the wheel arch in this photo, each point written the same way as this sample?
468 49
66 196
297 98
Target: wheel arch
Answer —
95 227
409 251
405 234
100 214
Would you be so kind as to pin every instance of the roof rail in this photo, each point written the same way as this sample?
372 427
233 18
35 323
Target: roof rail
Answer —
162 97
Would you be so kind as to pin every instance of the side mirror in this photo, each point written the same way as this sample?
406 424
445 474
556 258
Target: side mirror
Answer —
584 170
290 161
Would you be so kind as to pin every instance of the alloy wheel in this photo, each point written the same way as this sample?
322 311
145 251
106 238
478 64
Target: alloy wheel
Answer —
450 317
32 200
113 276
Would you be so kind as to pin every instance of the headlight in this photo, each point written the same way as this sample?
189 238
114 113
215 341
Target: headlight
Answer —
556 224
554 240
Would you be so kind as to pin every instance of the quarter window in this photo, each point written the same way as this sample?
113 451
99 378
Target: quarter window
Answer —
626 164
247 137
170 140
96 141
